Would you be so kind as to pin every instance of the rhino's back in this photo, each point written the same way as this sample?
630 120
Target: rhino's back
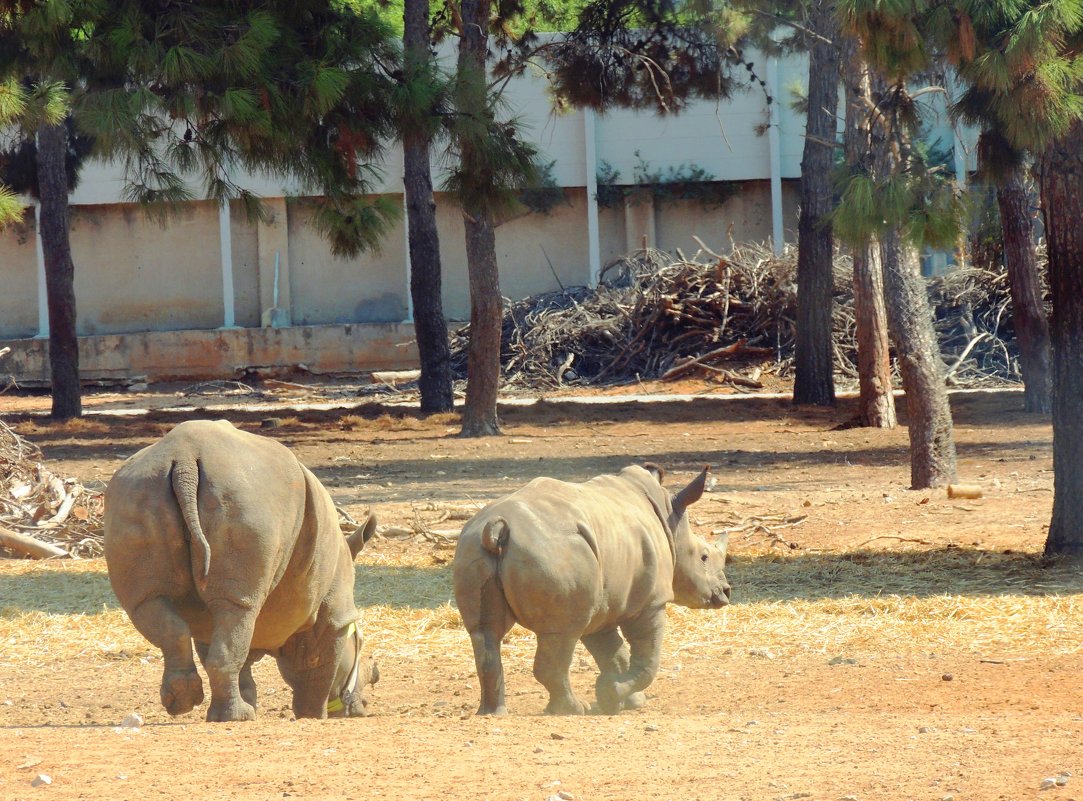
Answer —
251 502
585 554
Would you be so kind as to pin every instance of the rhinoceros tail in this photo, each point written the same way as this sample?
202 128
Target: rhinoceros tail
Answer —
494 537
185 477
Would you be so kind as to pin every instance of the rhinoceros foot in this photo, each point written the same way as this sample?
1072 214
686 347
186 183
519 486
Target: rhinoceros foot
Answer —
182 691
609 700
635 701
230 710
565 706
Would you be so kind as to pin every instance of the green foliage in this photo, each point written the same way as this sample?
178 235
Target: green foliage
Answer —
353 224
683 182
545 194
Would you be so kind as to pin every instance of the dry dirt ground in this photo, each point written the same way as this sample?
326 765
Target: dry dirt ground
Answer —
883 643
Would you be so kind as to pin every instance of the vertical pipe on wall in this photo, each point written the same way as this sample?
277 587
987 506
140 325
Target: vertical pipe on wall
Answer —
225 239
409 264
775 155
43 293
594 256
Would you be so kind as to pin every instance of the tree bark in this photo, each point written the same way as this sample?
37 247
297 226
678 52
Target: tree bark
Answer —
1061 187
55 232
876 401
486 321
929 424
486 301
813 358
430 326
875 398
1028 310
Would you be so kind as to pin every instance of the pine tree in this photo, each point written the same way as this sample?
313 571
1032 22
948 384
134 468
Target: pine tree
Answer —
901 202
814 364
180 92
421 108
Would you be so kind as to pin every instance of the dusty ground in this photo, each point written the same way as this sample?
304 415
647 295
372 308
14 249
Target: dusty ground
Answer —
941 684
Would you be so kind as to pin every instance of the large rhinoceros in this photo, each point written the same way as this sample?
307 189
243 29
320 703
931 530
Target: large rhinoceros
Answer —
578 562
222 536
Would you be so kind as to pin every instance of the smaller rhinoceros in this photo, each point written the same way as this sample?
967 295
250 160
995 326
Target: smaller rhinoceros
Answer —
584 562
222 536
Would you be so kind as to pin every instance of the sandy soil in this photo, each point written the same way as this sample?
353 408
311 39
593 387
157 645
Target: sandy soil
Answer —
723 721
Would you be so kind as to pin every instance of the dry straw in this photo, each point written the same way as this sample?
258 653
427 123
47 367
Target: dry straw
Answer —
994 606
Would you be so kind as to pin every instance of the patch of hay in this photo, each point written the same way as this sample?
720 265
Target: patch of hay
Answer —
860 604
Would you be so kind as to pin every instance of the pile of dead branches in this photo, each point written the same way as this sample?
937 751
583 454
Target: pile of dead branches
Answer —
651 315
656 316
41 514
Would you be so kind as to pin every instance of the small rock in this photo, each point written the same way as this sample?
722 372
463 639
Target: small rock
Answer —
538 749
270 422
1062 779
762 653
924 729
555 736
133 720
848 798
139 386
842 660
1048 784
948 797
947 677
41 779
650 727
564 795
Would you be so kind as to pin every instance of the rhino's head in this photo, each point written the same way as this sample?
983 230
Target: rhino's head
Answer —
352 671
699 568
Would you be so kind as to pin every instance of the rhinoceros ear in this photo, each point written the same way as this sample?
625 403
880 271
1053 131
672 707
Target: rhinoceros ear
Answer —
363 534
655 470
692 493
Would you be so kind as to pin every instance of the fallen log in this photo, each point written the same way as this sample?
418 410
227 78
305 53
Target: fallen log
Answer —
740 347
28 546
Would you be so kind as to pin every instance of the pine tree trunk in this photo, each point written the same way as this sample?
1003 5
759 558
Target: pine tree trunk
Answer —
928 413
486 321
1061 187
430 326
875 398
877 403
1028 311
486 301
814 381
59 271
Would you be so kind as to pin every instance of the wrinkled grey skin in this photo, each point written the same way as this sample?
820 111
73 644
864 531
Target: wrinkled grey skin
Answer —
222 537
586 562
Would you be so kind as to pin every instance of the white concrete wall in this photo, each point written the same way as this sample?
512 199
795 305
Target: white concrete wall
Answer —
133 275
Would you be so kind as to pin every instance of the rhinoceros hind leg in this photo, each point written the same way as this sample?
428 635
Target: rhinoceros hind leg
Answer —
158 621
489 621
551 662
244 680
227 657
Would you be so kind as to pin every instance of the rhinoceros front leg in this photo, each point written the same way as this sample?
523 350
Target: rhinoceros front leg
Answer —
158 621
226 658
611 653
552 660
645 637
